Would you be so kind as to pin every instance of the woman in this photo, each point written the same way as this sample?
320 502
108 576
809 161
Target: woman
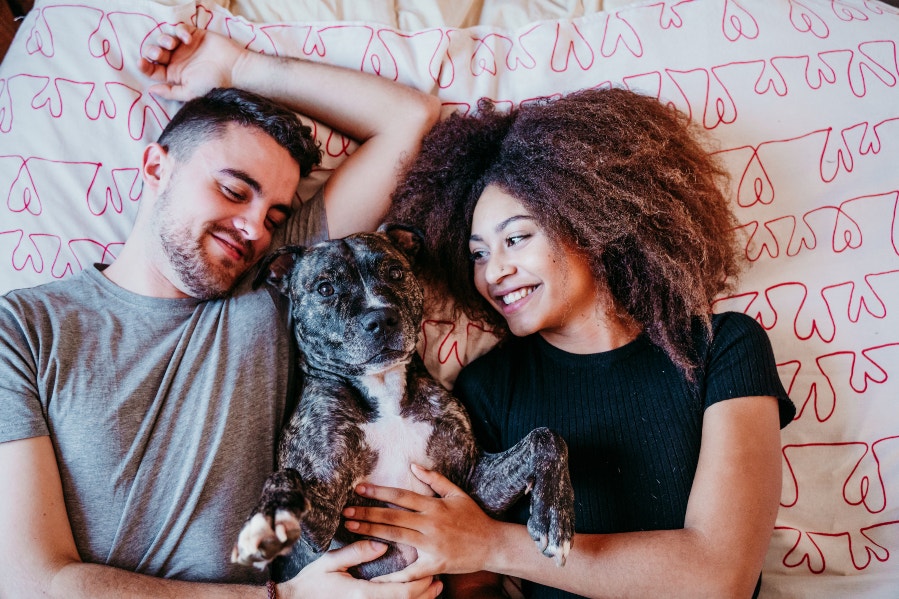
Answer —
596 234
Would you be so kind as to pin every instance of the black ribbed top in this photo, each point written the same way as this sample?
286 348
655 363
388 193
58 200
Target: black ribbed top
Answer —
632 422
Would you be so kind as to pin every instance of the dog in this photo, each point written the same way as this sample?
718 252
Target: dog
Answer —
368 409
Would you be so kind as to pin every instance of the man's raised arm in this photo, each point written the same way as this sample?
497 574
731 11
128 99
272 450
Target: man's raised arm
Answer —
387 118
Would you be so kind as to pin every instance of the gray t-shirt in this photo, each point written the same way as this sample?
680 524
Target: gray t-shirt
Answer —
163 414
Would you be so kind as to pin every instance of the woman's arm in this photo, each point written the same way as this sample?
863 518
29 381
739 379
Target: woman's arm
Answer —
387 118
719 553
38 557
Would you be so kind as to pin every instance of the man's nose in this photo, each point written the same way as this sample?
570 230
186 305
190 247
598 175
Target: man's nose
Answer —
250 224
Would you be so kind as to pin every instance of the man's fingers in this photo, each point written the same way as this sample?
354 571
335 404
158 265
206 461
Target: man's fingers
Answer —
148 67
184 33
425 588
413 571
171 92
352 555
433 591
157 54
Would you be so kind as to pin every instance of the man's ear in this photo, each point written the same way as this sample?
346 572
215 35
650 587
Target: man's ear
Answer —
276 268
155 162
407 239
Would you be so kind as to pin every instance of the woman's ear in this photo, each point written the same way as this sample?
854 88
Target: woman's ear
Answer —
155 161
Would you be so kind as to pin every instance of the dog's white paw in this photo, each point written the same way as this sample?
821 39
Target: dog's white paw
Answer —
559 553
259 542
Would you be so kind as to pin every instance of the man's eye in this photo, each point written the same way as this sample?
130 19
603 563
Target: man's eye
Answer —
395 273
325 289
231 193
273 223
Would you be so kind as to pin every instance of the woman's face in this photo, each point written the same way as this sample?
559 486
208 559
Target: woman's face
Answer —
537 285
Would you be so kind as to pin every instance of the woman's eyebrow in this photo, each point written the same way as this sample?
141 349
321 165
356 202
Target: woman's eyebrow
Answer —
502 225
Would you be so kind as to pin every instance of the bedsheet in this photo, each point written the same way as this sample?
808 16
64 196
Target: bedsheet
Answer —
800 96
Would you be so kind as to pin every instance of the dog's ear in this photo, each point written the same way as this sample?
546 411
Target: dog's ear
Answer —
407 239
275 268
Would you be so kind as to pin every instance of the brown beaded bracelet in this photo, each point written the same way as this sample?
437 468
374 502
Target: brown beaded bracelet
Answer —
272 589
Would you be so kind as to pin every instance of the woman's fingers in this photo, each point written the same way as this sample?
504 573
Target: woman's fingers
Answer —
439 483
383 524
409 500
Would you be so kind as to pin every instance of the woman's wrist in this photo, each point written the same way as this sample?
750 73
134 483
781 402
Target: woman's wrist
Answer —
505 543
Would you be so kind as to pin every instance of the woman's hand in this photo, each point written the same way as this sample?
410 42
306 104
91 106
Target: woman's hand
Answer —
189 62
450 532
328 577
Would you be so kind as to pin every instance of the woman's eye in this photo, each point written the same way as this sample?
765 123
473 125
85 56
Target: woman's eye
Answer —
325 289
477 256
395 273
515 239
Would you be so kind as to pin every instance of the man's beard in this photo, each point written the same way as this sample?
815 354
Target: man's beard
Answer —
202 277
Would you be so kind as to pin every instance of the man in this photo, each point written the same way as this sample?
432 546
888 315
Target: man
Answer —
139 403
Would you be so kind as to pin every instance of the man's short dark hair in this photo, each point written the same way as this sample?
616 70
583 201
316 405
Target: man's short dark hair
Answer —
208 115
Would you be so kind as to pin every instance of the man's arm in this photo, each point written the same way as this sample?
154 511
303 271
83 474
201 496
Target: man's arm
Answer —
38 557
387 118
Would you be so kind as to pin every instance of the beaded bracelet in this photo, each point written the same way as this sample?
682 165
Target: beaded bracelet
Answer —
272 589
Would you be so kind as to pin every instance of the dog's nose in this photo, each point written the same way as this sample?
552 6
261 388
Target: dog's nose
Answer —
381 321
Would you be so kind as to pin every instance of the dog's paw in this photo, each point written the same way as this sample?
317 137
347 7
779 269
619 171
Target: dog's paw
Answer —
260 542
552 529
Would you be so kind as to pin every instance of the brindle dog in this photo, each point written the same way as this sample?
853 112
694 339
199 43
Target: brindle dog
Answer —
369 409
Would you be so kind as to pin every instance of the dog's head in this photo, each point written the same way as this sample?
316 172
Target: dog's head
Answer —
355 304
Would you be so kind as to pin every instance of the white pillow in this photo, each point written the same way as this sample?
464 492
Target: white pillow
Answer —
801 96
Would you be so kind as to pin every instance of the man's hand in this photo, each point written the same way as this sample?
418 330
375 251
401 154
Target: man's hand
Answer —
189 62
330 572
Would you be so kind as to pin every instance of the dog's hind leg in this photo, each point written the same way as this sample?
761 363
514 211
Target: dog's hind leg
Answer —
537 464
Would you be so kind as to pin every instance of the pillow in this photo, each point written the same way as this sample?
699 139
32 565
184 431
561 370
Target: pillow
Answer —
800 97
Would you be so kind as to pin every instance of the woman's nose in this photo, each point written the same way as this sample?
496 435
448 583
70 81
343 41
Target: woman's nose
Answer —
497 267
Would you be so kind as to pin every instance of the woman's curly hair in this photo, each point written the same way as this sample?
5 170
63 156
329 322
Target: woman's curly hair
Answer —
617 176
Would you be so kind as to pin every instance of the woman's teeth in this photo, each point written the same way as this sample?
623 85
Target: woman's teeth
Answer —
516 295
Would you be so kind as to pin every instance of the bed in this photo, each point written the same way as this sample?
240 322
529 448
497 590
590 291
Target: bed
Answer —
800 96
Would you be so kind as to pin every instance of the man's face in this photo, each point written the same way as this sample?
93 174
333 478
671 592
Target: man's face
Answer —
216 212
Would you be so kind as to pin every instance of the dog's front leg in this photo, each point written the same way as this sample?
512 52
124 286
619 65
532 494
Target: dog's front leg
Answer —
274 524
537 464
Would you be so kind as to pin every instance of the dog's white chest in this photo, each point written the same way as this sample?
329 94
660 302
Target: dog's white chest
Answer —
398 441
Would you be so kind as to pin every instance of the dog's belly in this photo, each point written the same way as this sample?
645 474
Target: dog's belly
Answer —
398 442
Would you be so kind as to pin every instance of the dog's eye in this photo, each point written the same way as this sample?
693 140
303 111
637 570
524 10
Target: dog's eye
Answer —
325 289
395 273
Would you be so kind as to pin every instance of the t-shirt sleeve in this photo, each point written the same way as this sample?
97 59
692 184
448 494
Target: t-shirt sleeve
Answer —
21 412
307 225
740 363
480 402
